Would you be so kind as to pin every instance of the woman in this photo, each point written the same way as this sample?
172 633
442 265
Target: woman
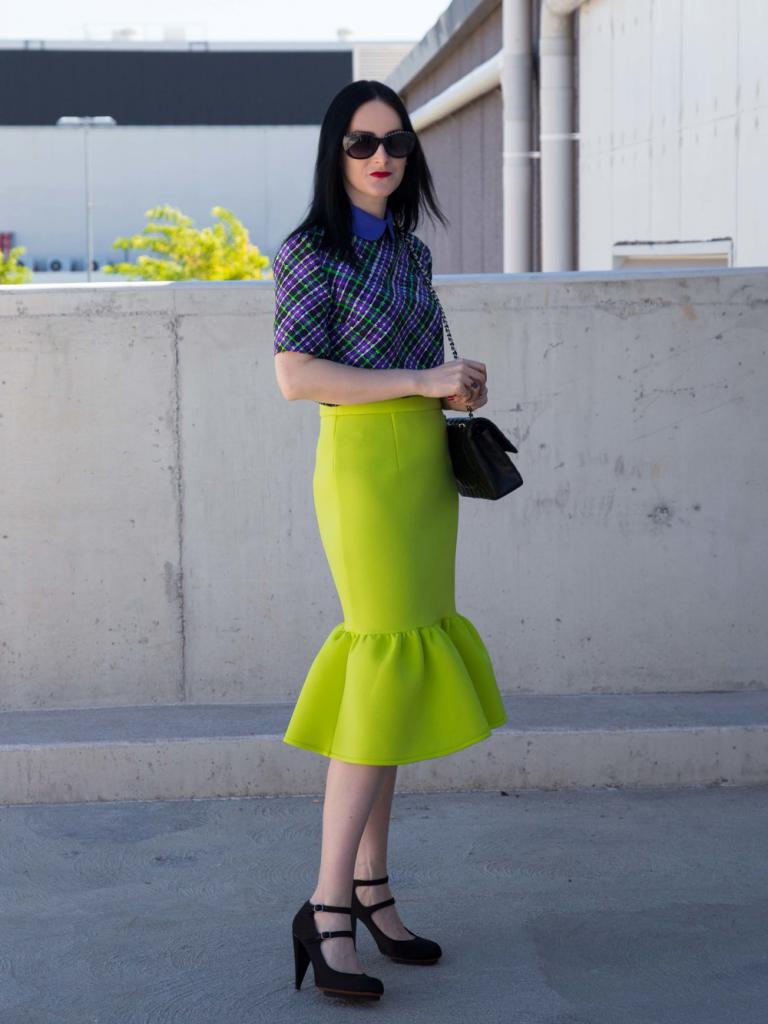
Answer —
405 677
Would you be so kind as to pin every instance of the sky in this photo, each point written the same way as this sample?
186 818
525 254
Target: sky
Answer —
218 20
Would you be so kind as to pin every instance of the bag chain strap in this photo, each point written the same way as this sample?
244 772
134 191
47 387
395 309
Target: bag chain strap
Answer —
409 243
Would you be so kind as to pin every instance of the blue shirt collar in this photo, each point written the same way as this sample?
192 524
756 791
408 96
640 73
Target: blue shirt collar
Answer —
366 225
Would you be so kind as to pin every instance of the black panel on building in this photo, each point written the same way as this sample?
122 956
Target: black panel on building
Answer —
151 87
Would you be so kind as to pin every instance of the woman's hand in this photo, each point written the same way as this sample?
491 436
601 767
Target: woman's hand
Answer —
458 381
458 404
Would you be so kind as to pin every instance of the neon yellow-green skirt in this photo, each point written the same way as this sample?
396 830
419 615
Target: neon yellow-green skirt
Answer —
404 677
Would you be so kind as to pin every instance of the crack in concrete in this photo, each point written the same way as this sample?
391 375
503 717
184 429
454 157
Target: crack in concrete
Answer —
178 481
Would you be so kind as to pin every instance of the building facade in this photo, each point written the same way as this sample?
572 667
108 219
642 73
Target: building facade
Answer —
565 134
197 126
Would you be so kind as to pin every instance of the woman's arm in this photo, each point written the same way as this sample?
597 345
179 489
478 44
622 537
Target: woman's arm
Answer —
300 375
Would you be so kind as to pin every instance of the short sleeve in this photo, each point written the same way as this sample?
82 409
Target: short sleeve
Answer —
428 261
424 256
302 297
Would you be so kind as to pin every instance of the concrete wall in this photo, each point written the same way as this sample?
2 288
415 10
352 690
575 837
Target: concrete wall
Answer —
158 541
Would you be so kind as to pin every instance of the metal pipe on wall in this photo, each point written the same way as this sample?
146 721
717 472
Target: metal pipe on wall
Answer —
556 136
480 80
517 176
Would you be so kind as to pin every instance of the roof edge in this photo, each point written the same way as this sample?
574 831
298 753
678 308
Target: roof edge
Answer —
456 21
198 45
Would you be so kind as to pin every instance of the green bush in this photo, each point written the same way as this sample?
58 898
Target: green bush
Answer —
11 271
222 252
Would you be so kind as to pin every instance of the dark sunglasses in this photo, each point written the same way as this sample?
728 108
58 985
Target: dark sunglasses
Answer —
361 145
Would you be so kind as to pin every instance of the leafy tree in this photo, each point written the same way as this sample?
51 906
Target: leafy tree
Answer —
11 271
222 252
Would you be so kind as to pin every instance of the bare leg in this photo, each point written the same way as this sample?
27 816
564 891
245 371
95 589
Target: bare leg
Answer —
350 791
371 860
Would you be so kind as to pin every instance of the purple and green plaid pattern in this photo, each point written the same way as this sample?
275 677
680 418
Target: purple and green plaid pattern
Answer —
381 315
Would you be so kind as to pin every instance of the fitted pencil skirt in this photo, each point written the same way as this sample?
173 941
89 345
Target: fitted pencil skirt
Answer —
404 677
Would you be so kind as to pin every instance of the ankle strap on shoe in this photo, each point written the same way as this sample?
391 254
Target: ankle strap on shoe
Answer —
327 906
370 881
378 906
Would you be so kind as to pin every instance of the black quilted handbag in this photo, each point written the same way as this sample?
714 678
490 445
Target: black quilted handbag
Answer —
478 448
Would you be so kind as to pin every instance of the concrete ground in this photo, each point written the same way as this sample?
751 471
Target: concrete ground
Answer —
601 906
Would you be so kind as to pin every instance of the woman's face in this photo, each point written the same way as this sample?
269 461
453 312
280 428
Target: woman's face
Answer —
364 190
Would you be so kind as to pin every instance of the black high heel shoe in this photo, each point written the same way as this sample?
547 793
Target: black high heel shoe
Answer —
306 947
405 951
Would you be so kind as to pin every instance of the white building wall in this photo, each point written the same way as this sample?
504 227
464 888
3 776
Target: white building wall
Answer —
673 126
262 173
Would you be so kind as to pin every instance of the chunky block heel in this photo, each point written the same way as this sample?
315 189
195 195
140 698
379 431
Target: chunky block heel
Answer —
306 948
405 951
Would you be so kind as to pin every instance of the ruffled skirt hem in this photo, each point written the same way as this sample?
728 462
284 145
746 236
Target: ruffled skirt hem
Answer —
398 697
356 759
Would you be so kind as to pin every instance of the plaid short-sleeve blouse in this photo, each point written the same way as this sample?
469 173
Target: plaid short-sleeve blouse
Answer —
379 315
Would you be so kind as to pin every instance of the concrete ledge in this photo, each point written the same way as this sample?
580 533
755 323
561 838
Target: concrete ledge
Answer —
201 751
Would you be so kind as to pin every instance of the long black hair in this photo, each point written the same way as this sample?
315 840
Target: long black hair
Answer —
330 205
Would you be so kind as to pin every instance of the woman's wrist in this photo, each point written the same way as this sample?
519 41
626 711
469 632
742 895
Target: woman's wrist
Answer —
414 381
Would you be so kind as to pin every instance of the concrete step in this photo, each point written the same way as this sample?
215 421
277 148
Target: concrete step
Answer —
179 752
